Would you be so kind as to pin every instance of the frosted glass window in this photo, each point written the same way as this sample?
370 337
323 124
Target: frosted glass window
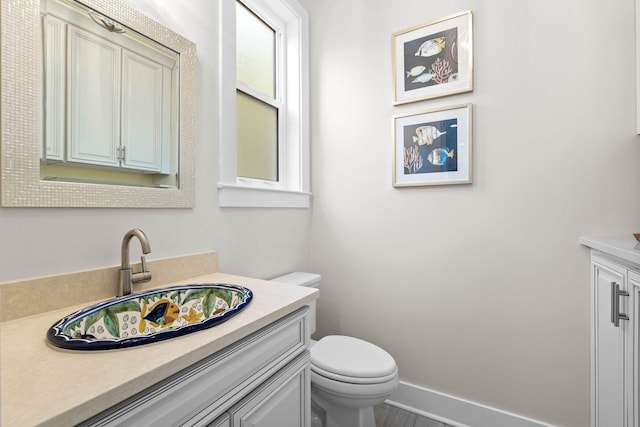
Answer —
255 52
248 145
257 143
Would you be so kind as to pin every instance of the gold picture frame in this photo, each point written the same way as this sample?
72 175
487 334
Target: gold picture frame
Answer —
433 59
433 147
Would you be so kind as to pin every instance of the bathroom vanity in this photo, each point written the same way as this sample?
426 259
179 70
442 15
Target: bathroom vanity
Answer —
615 331
263 379
252 369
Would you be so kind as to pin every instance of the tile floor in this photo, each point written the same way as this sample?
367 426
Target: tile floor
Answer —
391 416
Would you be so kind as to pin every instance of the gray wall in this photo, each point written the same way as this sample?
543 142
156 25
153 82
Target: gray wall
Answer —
480 291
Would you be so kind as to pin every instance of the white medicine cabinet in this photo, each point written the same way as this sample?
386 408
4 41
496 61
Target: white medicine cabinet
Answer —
110 95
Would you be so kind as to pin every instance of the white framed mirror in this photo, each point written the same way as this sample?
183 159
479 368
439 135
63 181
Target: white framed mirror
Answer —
62 146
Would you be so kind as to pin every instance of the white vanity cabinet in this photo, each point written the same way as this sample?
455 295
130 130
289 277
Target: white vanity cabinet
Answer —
615 317
262 380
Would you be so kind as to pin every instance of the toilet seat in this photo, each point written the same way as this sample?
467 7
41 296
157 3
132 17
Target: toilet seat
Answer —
351 360
353 380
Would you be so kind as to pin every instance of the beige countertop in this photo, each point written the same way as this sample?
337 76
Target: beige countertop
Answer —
43 385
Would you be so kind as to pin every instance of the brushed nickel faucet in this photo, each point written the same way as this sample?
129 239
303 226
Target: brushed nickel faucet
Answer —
127 276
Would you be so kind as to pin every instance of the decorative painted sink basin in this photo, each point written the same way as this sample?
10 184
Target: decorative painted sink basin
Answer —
148 317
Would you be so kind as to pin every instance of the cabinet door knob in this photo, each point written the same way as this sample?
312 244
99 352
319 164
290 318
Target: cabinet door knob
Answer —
616 293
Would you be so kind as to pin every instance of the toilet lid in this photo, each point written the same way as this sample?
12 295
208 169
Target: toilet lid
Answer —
351 357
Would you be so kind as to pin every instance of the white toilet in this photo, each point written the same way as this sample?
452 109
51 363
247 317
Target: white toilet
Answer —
349 376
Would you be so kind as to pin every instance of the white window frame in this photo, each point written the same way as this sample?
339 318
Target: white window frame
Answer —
293 187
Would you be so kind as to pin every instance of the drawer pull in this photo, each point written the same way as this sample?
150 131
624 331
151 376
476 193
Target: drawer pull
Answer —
616 293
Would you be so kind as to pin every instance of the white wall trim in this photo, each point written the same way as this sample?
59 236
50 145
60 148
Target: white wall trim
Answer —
235 196
454 410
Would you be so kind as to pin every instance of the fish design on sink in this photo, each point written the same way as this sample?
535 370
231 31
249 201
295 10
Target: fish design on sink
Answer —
149 316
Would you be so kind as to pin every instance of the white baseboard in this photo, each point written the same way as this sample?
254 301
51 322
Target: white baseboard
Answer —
455 411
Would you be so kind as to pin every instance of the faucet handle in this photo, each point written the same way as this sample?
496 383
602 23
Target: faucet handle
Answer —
144 275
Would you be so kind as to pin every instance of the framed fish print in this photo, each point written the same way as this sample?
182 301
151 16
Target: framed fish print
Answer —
433 59
432 147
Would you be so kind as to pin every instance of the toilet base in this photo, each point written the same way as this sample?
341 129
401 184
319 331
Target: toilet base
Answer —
342 416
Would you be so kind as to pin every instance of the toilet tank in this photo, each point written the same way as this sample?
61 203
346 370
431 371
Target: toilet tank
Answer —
300 278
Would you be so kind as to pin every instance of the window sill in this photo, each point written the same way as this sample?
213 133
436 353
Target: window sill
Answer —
235 196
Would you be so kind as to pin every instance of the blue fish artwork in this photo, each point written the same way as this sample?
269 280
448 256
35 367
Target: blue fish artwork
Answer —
431 147
440 156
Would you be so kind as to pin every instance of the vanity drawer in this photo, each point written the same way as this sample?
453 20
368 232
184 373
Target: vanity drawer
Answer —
207 389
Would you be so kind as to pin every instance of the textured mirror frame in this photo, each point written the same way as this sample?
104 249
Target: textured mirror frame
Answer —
20 182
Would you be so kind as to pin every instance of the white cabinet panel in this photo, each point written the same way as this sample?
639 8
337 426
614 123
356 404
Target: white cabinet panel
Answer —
54 103
609 355
145 117
94 99
280 402
633 349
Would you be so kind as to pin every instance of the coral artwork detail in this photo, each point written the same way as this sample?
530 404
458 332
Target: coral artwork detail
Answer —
412 159
441 70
